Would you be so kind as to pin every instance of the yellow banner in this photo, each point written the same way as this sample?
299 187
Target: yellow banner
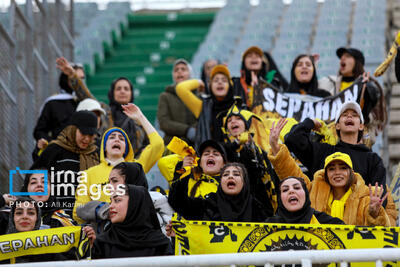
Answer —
54 240
395 189
207 237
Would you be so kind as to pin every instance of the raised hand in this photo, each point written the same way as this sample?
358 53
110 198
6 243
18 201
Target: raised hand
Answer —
133 112
202 87
65 67
42 143
274 134
188 161
317 125
170 231
376 201
254 79
8 198
366 77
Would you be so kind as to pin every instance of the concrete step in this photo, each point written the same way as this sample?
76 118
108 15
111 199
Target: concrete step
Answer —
396 90
394 151
395 103
394 132
395 116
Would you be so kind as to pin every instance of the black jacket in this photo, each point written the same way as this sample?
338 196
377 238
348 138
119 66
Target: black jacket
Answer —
205 208
57 159
312 154
54 118
257 165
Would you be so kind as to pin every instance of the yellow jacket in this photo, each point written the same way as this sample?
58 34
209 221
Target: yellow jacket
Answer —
356 210
205 183
97 176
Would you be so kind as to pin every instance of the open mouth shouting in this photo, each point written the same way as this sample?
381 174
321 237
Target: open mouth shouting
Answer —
116 146
293 200
210 163
349 123
231 184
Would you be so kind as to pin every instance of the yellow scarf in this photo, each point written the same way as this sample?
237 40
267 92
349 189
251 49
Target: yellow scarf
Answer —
345 85
337 206
314 220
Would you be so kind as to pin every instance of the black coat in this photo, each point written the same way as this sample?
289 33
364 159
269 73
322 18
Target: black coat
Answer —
208 208
257 165
61 160
54 118
138 235
312 154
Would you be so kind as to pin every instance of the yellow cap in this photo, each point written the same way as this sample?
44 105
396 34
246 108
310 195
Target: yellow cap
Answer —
339 156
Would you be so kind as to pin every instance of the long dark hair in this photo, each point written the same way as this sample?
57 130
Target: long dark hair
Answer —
295 85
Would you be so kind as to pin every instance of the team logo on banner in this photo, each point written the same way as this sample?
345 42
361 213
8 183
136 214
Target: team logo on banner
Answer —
268 238
207 237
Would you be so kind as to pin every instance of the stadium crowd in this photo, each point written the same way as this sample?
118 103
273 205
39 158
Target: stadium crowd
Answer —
238 162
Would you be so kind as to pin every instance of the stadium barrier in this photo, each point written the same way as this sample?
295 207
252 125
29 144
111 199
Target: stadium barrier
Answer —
268 259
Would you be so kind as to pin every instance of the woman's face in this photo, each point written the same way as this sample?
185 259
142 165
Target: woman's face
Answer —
338 174
232 180
83 140
25 216
347 63
36 184
122 92
304 70
292 195
219 85
115 145
180 73
118 208
235 125
253 61
211 161
116 178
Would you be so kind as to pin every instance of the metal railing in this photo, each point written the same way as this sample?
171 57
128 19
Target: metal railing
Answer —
35 34
268 259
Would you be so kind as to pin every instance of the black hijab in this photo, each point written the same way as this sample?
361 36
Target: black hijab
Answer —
11 225
236 208
139 230
116 109
63 83
133 172
219 110
211 117
262 73
51 205
121 120
303 215
311 87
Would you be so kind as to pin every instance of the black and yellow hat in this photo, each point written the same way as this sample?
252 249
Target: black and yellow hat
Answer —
246 116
